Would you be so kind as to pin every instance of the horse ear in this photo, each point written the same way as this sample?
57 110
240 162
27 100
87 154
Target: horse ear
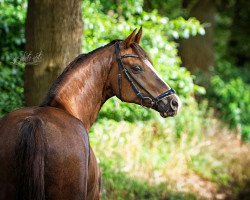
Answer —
127 42
138 36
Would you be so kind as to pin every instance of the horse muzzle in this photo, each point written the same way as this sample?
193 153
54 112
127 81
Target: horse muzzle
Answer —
169 107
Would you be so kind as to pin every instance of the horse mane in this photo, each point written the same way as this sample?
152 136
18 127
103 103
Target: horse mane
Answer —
75 63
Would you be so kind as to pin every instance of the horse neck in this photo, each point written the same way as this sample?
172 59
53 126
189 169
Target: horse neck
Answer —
85 88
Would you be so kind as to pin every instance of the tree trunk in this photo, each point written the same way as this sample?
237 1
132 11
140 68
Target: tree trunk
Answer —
54 31
198 52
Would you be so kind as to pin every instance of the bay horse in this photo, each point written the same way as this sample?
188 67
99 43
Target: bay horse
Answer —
45 151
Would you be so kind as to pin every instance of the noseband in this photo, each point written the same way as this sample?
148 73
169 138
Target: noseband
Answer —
153 100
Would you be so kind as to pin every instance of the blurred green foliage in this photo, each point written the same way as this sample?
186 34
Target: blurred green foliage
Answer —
229 90
12 15
169 8
229 93
232 98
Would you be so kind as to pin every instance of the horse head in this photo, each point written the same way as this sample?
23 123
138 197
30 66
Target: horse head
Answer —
133 78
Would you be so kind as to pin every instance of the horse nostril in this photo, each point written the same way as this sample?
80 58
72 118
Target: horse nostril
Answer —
174 104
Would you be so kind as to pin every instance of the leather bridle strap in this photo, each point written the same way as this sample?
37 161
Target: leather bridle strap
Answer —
131 79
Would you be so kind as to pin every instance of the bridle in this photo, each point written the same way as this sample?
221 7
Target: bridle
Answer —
153 100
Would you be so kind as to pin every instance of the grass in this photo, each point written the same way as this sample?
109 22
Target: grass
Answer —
156 160
119 185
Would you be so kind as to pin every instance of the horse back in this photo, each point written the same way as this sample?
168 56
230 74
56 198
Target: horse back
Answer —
65 158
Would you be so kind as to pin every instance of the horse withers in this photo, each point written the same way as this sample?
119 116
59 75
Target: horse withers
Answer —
45 151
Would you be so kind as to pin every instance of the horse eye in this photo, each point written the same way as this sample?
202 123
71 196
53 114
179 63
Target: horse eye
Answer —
136 68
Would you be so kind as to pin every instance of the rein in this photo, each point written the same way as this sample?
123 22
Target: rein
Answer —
153 100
